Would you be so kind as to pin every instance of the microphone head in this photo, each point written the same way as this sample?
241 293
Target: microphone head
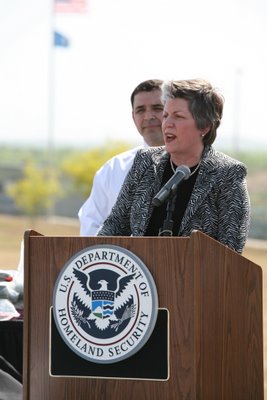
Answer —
184 169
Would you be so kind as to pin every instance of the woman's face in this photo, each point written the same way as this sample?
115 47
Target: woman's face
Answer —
181 135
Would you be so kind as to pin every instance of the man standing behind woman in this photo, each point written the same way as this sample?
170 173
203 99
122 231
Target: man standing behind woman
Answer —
147 112
214 199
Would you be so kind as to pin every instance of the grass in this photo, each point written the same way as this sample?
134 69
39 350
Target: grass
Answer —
12 230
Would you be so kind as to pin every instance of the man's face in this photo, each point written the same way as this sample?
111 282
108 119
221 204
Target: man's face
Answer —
147 115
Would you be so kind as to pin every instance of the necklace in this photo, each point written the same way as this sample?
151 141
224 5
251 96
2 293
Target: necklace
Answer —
192 173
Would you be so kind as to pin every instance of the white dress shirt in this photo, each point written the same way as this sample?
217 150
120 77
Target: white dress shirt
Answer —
107 183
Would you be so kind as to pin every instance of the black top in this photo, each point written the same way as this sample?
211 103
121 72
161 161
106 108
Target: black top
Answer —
182 198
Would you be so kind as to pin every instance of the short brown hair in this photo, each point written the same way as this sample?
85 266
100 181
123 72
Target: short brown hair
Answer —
205 103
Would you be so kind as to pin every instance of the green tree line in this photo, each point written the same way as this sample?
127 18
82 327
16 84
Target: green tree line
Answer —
46 178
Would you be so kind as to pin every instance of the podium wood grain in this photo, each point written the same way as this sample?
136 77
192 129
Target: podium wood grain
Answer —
214 298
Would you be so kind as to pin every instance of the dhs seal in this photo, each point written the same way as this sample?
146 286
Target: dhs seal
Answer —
105 304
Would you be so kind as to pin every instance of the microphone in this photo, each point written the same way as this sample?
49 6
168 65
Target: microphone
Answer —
181 173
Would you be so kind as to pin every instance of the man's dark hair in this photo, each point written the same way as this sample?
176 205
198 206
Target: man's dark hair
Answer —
146 86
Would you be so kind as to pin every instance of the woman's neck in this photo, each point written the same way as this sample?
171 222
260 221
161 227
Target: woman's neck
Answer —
186 159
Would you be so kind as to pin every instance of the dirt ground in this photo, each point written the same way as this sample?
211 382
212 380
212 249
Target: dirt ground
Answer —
12 230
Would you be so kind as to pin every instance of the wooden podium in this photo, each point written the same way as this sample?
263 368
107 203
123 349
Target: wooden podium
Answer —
215 328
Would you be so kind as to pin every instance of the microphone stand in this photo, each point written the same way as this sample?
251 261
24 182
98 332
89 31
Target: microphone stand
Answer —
166 230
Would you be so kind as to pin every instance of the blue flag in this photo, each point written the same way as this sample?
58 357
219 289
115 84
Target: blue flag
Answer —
60 40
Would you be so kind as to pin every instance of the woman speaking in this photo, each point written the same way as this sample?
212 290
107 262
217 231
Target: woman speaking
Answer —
212 197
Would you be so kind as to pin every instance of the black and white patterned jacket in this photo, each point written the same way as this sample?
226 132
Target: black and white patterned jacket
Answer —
219 205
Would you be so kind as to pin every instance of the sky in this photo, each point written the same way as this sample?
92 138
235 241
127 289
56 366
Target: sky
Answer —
80 95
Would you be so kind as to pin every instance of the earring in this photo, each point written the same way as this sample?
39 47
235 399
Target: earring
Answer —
203 134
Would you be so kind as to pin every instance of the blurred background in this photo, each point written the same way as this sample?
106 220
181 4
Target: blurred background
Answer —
68 68
67 71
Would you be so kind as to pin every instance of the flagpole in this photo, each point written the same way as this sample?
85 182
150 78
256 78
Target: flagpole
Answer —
236 111
56 39
51 84
51 99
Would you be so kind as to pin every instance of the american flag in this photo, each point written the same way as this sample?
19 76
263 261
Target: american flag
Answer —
70 6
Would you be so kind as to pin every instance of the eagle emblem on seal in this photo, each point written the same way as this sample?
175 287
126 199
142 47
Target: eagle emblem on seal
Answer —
106 304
